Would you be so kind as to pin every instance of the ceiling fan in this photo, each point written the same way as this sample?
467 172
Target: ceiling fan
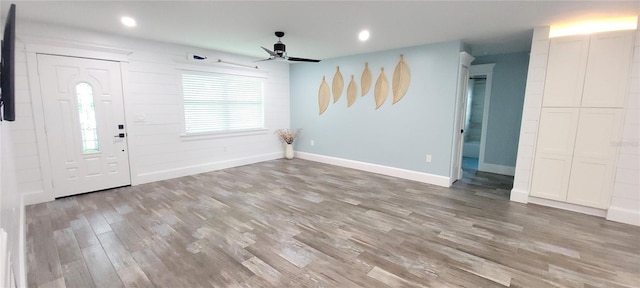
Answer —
280 52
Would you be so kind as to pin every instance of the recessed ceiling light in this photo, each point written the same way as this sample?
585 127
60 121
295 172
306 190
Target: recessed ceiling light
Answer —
128 21
364 35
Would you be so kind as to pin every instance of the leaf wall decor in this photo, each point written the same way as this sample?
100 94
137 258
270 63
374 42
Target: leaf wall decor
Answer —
352 92
337 85
365 79
401 80
323 96
381 91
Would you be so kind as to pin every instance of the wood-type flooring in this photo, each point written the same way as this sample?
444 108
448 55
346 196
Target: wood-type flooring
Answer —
296 223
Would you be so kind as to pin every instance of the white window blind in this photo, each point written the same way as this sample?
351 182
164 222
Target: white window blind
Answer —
218 102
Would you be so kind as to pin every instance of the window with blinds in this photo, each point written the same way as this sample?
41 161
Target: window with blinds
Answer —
220 103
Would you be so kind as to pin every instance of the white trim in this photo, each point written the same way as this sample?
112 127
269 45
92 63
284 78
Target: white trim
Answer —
497 169
568 206
379 169
223 134
202 168
622 215
21 275
484 69
41 136
128 119
36 197
75 49
519 196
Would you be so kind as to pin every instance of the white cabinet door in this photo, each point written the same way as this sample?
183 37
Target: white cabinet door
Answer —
554 151
551 176
598 133
591 182
565 71
594 157
557 130
83 111
608 68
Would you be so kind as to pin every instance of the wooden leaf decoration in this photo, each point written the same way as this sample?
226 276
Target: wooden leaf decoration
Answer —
323 96
352 92
337 85
401 80
365 80
381 91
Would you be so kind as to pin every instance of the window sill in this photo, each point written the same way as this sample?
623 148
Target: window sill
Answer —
223 134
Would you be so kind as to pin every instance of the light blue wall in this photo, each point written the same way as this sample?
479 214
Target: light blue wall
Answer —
398 135
505 109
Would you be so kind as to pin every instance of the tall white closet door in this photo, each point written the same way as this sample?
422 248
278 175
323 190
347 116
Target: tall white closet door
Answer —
554 151
565 71
594 157
607 71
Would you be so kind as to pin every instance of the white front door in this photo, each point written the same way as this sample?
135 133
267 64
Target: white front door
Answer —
84 123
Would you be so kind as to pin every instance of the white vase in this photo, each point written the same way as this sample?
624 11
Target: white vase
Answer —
288 151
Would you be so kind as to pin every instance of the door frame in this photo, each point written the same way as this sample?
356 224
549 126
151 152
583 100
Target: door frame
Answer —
33 47
486 70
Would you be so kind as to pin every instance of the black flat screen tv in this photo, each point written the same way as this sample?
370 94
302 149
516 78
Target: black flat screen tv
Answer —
8 64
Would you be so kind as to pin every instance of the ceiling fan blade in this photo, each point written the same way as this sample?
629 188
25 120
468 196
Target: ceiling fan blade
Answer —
270 58
302 59
269 51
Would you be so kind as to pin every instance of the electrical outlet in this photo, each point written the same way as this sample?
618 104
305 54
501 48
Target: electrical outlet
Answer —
428 158
313 142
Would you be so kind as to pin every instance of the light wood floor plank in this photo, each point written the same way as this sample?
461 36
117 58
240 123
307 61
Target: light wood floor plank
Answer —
305 224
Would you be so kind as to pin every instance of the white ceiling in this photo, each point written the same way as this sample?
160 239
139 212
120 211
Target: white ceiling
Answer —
324 29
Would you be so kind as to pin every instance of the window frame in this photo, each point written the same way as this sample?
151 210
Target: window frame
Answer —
201 70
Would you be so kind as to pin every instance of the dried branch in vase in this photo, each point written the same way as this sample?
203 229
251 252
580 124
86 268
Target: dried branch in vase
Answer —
287 135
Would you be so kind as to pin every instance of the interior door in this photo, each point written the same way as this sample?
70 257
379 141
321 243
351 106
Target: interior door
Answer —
84 123
459 117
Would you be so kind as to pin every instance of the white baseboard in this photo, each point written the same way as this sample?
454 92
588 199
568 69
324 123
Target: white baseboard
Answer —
497 169
519 196
36 197
201 168
379 169
568 206
624 215
21 274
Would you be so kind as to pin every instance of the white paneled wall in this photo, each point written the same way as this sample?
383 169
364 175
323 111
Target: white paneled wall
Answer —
625 202
531 114
152 97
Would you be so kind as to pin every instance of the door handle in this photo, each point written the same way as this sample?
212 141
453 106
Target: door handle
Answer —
121 135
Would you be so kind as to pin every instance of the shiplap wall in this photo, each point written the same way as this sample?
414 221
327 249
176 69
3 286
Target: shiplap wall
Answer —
152 97
625 202
531 114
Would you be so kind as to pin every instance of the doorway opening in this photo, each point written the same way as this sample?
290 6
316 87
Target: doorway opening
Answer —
473 124
475 133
